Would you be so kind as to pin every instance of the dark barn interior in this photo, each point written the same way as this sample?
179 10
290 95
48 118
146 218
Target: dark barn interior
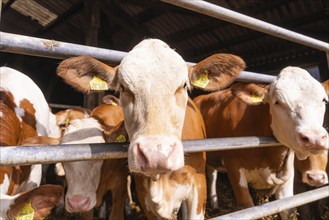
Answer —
120 24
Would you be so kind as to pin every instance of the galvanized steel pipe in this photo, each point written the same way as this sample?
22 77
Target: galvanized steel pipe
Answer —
277 206
218 12
27 155
13 43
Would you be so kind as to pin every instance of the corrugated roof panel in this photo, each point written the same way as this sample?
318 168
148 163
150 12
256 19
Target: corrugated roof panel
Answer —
34 10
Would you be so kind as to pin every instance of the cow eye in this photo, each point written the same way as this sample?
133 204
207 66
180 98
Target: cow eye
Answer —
185 85
122 88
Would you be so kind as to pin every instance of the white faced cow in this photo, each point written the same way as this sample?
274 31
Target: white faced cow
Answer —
153 81
288 116
297 104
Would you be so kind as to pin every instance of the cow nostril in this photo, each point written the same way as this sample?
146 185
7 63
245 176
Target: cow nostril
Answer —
316 177
141 157
304 138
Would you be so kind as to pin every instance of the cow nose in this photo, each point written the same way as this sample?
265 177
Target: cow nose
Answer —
314 140
78 203
316 178
156 155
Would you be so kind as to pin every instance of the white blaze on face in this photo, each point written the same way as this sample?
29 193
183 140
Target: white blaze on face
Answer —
297 106
153 79
82 176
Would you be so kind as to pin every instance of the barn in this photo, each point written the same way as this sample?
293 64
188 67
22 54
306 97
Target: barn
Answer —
267 35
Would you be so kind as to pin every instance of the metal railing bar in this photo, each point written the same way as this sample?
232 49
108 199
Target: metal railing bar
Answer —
222 13
19 44
27 155
277 206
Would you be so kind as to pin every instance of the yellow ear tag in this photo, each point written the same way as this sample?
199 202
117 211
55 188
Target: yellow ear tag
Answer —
256 98
26 213
98 84
67 122
120 138
202 81
114 103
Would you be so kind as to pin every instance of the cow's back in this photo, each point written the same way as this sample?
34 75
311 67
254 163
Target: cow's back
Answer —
28 101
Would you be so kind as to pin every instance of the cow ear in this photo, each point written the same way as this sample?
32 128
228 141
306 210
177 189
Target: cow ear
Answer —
216 72
111 100
86 74
250 93
37 203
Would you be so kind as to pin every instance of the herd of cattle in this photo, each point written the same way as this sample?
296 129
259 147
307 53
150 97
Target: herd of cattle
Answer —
154 114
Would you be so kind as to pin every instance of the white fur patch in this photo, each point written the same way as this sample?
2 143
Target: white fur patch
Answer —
157 199
297 107
5 203
83 176
261 178
4 186
19 112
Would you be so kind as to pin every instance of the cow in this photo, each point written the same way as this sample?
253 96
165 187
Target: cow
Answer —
153 81
293 112
162 197
24 113
88 181
312 173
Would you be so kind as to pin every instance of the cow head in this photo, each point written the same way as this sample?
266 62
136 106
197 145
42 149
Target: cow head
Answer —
297 105
153 81
82 177
313 169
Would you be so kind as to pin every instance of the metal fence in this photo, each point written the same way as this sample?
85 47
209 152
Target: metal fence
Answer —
14 155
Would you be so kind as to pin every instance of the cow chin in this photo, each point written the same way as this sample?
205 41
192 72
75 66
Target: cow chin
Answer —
155 155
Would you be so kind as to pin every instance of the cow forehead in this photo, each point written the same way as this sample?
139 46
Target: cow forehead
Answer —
152 62
297 84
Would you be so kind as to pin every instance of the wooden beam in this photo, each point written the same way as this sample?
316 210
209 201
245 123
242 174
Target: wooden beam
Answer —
92 8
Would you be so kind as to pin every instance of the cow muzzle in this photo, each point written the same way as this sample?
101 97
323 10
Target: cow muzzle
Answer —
77 203
313 141
155 155
315 178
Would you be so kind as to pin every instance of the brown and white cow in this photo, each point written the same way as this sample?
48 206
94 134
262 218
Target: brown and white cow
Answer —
24 113
162 197
88 181
153 81
293 111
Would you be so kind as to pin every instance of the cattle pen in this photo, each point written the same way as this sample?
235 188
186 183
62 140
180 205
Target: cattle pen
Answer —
19 44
